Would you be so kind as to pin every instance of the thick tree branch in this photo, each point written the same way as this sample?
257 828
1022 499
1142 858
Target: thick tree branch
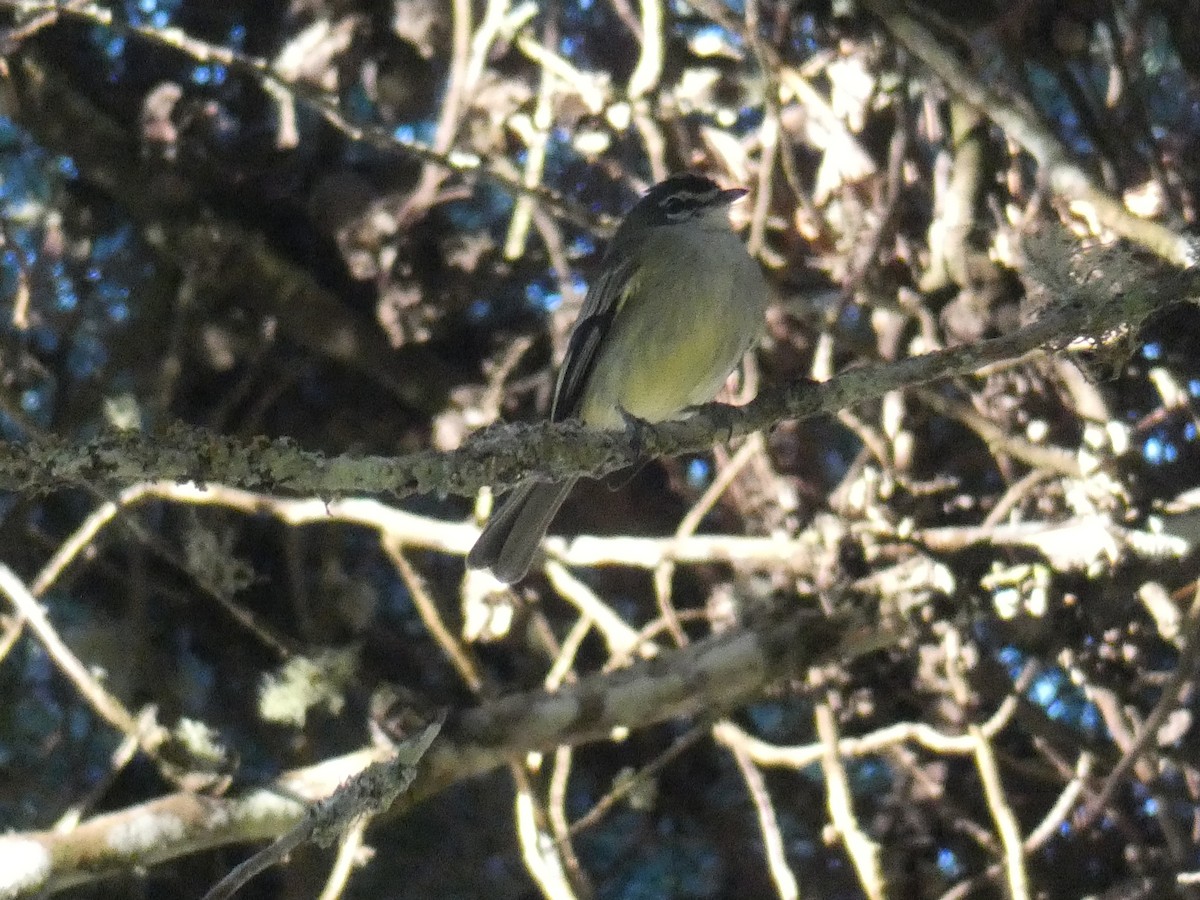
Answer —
713 675
502 456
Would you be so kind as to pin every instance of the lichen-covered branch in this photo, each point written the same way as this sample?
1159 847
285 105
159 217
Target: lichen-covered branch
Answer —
502 456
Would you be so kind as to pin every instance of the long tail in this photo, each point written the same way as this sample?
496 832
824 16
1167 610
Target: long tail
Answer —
513 533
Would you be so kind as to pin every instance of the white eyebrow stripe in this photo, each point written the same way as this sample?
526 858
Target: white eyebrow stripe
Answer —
686 195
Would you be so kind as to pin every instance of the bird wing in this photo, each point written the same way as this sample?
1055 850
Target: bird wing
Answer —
604 300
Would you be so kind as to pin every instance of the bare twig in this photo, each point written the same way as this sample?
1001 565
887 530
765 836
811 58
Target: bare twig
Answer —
648 70
781 873
1066 177
458 656
1185 670
664 572
540 852
343 864
364 796
275 85
863 852
149 736
1002 815
640 778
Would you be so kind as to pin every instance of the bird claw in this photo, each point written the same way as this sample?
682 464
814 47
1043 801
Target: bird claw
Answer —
636 429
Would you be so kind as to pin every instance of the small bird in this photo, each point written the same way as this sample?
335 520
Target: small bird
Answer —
677 302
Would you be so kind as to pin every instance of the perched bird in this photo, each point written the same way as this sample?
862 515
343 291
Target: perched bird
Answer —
676 304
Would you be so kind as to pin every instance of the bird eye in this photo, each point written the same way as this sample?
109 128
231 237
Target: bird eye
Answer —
672 206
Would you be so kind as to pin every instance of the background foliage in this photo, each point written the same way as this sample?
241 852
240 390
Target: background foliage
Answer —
367 227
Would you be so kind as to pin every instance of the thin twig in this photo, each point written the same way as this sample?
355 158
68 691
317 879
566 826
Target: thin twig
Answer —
104 704
863 852
664 572
648 70
1002 815
539 851
432 617
1066 177
343 864
643 776
768 825
1185 670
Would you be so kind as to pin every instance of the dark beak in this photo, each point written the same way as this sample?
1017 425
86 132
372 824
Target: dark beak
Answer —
731 195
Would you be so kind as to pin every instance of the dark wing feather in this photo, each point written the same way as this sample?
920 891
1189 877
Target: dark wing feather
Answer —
600 307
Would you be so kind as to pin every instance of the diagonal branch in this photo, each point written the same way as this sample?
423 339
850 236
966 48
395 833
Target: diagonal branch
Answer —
503 455
712 675
1066 177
